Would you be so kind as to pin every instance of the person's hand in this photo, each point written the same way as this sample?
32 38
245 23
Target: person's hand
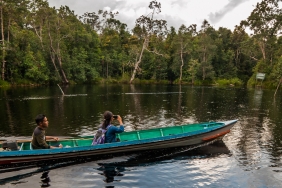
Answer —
56 138
119 120
60 146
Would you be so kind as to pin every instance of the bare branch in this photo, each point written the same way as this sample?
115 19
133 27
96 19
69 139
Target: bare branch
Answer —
155 52
254 58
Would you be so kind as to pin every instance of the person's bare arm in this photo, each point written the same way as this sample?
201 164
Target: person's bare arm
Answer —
60 146
120 120
52 137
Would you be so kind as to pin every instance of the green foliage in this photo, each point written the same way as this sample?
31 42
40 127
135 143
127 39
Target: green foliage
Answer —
125 78
78 69
109 81
252 81
276 73
193 69
203 82
4 83
36 70
44 45
151 81
261 67
229 82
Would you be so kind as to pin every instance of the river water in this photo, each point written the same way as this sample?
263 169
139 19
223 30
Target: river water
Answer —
249 156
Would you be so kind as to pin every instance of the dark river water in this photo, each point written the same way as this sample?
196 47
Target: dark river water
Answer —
249 156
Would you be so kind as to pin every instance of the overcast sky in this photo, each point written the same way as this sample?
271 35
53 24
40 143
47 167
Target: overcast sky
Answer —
219 13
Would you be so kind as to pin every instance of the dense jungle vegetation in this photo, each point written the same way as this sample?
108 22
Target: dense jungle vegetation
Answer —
45 45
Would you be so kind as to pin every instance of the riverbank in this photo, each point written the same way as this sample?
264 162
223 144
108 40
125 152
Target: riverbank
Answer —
219 82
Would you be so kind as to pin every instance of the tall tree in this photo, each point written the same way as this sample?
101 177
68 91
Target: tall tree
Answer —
12 13
37 18
147 26
277 73
222 62
265 22
2 6
170 50
60 25
244 53
184 44
98 21
207 49
193 67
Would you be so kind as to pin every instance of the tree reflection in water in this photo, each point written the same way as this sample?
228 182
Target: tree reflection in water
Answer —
114 170
146 158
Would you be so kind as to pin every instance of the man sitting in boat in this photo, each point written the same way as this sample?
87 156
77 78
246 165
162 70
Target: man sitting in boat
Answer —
38 136
108 130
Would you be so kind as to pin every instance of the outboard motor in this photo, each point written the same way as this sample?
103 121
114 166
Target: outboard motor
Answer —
10 145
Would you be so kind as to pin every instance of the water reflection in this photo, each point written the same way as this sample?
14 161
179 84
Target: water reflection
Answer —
117 165
110 172
137 105
255 141
9 114
258 97
45 179
113 171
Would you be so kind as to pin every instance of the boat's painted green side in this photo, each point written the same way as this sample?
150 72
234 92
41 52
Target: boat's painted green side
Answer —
156 138
166 131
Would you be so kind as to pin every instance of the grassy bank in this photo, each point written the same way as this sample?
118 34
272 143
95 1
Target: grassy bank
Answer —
125 80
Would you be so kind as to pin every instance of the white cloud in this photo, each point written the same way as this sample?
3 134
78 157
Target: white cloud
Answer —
219 13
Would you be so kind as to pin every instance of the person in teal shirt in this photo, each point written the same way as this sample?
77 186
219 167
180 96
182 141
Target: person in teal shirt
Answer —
110 135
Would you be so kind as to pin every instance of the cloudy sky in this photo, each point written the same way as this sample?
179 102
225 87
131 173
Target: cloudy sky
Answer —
219 13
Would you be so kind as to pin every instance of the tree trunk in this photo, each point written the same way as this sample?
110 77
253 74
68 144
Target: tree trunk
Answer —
3 43
107 69
204 62
8 37
59 57
39 34
262 48
139 60
182 63
237 56
62 70
53 54
53 59
278 86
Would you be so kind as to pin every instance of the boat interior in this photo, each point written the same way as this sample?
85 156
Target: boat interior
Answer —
123 137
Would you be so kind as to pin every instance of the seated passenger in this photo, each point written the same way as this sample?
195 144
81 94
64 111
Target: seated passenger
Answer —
38 136
110 135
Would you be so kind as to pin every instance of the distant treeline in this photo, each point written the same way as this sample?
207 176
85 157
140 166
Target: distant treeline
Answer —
44 45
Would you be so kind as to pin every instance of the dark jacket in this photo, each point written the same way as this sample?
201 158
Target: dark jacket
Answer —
38 139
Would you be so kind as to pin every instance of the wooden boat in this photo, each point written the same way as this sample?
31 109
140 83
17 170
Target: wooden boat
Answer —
150 139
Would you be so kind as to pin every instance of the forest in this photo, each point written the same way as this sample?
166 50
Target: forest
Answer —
44 45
